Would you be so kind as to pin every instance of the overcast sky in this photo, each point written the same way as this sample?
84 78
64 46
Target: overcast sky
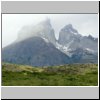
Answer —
11 23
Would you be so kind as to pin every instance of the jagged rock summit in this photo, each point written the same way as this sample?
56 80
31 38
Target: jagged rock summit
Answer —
43 29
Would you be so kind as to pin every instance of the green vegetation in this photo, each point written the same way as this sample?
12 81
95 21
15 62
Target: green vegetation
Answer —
64 75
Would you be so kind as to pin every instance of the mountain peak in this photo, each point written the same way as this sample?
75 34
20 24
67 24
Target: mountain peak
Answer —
46 22
43 29
69 29
91 37
69 26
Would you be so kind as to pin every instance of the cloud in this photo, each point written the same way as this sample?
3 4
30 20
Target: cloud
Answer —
12 23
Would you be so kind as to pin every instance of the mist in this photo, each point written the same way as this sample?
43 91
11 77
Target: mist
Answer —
12 24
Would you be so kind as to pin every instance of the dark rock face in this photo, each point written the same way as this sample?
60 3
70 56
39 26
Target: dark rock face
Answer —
83 49
69 35
34 51
84 56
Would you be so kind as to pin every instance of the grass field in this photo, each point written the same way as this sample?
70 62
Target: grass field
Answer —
64 75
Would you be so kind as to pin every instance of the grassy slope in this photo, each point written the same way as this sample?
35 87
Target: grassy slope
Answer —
65 75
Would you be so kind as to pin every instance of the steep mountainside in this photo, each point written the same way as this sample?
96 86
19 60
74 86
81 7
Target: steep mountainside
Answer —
34 51
78 47
70 38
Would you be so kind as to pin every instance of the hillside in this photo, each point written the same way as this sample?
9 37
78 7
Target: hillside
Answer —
63 75
34 51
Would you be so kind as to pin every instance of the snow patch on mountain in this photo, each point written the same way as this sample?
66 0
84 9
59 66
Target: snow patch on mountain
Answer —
90 50
46 40
64 49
